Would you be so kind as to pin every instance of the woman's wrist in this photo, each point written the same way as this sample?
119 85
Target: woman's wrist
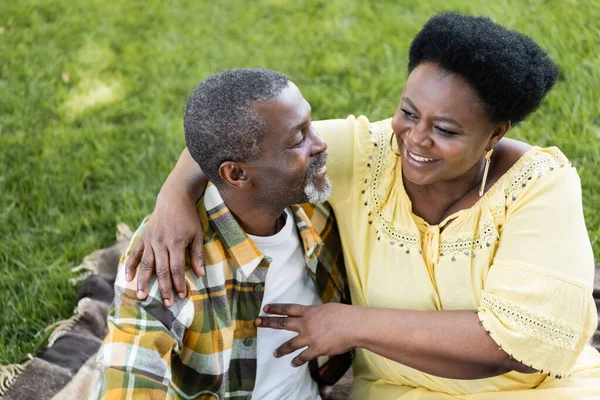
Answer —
186 179
370 326
356 326
171 191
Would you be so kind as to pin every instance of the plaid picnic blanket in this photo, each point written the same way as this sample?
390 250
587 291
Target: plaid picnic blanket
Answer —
66 368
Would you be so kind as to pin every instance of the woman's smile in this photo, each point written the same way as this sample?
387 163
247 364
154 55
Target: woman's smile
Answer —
418 159
421 159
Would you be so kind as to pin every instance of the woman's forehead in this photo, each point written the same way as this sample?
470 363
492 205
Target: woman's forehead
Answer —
432 89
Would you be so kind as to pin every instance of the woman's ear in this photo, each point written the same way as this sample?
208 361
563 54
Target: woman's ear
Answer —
498 133
234 174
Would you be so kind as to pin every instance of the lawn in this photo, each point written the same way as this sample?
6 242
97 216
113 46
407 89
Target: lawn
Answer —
92 95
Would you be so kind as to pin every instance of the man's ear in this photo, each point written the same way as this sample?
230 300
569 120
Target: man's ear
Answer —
498 134
234 174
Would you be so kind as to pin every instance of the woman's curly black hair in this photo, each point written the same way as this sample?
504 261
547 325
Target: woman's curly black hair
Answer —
508 70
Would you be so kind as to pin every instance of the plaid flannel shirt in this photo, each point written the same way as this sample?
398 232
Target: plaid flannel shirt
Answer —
204 346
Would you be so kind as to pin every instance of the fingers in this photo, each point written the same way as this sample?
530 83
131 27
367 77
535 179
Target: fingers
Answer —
145 273
163 275
177 263
197 254
304 357
285 323
290 310
133 260
290 346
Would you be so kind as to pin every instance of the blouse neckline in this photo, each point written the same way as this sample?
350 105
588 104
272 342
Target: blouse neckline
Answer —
518 164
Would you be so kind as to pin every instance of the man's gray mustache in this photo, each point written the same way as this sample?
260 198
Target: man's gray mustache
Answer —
320 162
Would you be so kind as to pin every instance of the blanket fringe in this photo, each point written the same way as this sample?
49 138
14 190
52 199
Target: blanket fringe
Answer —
123 232
8 373
90 262
89 265
61 328
80 278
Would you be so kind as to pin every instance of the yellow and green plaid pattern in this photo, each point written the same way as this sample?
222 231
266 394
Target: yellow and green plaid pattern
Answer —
204 346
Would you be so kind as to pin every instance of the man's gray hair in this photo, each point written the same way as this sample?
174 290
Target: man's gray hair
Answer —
220 122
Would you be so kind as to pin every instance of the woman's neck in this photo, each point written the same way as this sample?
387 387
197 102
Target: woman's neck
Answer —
437 201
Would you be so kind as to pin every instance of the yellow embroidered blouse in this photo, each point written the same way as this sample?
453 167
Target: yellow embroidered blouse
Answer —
520 256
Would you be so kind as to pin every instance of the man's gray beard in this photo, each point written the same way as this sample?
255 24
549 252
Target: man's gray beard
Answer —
313 194
316 196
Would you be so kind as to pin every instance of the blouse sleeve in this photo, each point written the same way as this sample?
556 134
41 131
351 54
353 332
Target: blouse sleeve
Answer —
537 300
345 140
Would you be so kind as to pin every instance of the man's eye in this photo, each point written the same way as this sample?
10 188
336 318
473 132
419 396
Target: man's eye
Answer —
299 143
408 115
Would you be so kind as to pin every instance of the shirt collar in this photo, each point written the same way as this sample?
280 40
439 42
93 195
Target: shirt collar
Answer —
246 255
311 241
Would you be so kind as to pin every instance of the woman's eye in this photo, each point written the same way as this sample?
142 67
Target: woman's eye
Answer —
444 131
408 115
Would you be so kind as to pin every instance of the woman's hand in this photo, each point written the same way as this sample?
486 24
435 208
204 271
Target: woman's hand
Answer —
173 227
326 329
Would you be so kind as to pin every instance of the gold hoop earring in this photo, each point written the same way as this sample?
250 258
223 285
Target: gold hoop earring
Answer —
488 157
392 145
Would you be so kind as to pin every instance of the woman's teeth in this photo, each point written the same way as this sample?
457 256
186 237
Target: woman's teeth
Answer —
420 159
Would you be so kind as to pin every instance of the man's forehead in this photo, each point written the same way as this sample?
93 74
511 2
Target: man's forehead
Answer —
290 95
288 108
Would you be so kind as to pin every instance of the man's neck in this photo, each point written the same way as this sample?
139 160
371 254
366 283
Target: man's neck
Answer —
254 220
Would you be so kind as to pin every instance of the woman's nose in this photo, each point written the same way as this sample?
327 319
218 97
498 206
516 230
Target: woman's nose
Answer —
419 135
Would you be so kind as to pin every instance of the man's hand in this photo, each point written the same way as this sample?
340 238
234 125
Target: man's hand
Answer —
326 329
173 227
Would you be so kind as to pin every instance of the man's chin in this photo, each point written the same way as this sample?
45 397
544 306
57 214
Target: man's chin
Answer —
318 191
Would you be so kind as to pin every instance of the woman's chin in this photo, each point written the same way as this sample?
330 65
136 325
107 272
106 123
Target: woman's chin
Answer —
417 178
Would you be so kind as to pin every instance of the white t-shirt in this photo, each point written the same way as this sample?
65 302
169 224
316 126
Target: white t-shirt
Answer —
287 281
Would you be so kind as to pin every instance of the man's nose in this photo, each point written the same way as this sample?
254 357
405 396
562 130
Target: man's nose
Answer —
319 144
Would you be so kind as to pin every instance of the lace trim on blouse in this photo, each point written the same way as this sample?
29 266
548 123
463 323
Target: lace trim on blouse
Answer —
535 167
543 327
467 245
405 239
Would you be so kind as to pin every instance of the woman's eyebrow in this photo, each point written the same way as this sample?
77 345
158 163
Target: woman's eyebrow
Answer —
449 120
410 103
441 119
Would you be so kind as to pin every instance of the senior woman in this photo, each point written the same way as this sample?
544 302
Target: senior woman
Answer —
467 254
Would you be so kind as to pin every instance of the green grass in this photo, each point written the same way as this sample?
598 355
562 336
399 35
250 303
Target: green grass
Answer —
79 155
